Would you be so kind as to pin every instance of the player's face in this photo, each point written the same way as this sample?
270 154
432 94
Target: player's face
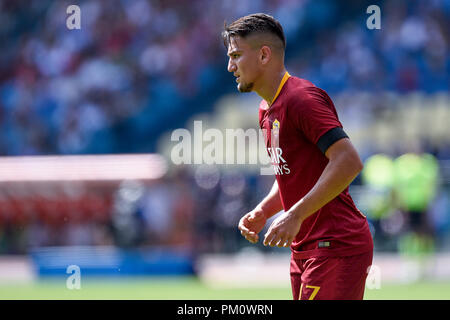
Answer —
243 62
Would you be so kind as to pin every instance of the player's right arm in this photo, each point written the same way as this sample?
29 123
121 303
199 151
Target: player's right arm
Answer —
253 222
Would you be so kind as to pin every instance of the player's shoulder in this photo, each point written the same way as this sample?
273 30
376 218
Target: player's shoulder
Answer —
300 91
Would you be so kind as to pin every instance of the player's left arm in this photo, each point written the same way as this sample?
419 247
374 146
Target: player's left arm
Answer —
343 166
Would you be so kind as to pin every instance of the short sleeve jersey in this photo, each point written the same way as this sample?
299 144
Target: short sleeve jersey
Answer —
299 116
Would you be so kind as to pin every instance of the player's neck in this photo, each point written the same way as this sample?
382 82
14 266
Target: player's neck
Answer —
270 84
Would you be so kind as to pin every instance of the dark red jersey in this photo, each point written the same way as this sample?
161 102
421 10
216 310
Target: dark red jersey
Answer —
293 126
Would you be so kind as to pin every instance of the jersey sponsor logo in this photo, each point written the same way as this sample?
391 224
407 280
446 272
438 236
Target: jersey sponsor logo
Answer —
280 165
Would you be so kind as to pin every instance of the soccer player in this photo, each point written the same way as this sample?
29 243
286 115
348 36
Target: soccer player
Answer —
314 162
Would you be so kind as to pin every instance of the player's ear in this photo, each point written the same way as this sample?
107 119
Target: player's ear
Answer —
265 54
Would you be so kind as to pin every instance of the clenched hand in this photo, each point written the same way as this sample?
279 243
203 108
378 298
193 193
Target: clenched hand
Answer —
251 224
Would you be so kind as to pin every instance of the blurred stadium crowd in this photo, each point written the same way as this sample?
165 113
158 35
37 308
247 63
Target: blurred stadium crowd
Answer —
138 68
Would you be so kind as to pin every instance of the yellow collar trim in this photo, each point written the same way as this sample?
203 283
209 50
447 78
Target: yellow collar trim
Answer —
283 81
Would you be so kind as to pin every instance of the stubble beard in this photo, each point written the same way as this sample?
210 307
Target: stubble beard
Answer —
245 87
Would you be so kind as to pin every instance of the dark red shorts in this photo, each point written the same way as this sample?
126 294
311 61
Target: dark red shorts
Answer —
330 278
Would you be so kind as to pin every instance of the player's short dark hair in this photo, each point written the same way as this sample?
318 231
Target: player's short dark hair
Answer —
253 24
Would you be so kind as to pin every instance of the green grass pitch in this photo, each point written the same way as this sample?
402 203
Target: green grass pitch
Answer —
190 288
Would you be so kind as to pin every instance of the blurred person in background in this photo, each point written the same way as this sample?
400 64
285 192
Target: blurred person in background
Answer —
415 185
